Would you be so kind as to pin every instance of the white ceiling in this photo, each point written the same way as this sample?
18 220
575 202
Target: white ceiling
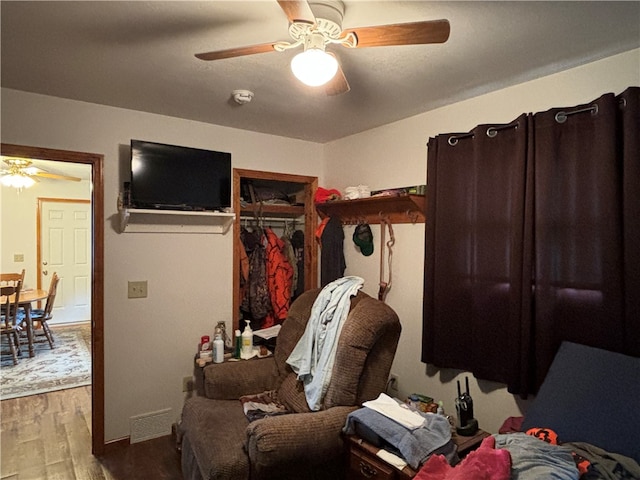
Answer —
140 55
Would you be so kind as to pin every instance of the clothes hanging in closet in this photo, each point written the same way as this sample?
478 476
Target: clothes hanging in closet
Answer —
290 254
268 287
332 262
256 302
279 279
297 241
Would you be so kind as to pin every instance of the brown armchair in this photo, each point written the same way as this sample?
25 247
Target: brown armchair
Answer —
217 440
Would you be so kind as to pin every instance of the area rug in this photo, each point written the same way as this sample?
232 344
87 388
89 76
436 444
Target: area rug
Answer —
68 365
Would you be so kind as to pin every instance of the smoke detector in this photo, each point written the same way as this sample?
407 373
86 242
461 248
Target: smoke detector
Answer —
242 96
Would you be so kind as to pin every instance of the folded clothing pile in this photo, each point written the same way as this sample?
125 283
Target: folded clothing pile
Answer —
412 435
360 191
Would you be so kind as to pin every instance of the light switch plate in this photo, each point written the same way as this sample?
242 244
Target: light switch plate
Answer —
18 257
137 289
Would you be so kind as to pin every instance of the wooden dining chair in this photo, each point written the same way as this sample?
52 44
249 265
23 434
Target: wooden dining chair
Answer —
8 279
10 325
40 316
11 278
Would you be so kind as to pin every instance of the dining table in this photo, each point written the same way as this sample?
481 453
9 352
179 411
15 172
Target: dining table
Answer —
27 298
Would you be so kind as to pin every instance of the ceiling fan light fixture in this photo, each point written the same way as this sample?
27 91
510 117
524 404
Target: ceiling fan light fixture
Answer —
17 180
314 67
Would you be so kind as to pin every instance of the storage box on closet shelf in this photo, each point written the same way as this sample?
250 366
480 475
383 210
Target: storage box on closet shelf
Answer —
361 191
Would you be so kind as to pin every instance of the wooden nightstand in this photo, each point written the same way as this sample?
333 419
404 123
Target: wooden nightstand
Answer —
466 444
364 464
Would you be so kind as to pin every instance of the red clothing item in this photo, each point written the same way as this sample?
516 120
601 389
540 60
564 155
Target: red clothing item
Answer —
485 463
320 229
511 425
323 195
279 279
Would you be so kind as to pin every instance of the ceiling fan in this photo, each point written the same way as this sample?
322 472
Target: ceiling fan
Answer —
20 173
315 31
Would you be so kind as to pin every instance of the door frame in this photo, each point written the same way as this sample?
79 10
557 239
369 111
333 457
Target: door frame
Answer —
97 272
308 185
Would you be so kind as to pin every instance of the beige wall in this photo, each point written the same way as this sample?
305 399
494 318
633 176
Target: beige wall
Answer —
150 343
395 155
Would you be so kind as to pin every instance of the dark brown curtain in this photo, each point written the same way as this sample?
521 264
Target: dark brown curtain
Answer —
630 139
527 240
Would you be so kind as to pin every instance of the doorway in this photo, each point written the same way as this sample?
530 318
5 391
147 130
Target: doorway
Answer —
64 247
96 248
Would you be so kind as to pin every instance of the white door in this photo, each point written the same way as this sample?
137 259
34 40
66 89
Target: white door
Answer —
65 248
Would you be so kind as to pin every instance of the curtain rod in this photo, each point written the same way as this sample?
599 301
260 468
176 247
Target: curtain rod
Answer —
268 219
561 117
491 132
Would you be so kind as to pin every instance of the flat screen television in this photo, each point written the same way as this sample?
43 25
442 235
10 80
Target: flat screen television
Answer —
170 177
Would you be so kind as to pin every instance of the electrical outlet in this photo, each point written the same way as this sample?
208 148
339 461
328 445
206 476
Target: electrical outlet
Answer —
137 289
187 384
393 382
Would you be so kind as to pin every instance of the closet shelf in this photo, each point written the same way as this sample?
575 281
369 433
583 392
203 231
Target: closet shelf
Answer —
285 211
138 220
396 208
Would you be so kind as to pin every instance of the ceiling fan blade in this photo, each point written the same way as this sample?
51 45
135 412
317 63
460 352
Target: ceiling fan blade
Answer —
338 84
298 11
55 176
413 33
236 52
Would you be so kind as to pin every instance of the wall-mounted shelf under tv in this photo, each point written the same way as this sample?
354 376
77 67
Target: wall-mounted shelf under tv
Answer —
137 220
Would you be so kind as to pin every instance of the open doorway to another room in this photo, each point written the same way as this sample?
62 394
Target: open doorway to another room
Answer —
56 225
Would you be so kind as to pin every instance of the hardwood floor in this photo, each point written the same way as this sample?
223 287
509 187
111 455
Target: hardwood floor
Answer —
48 436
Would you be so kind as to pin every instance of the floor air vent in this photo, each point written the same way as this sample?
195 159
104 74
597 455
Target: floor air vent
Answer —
150 425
